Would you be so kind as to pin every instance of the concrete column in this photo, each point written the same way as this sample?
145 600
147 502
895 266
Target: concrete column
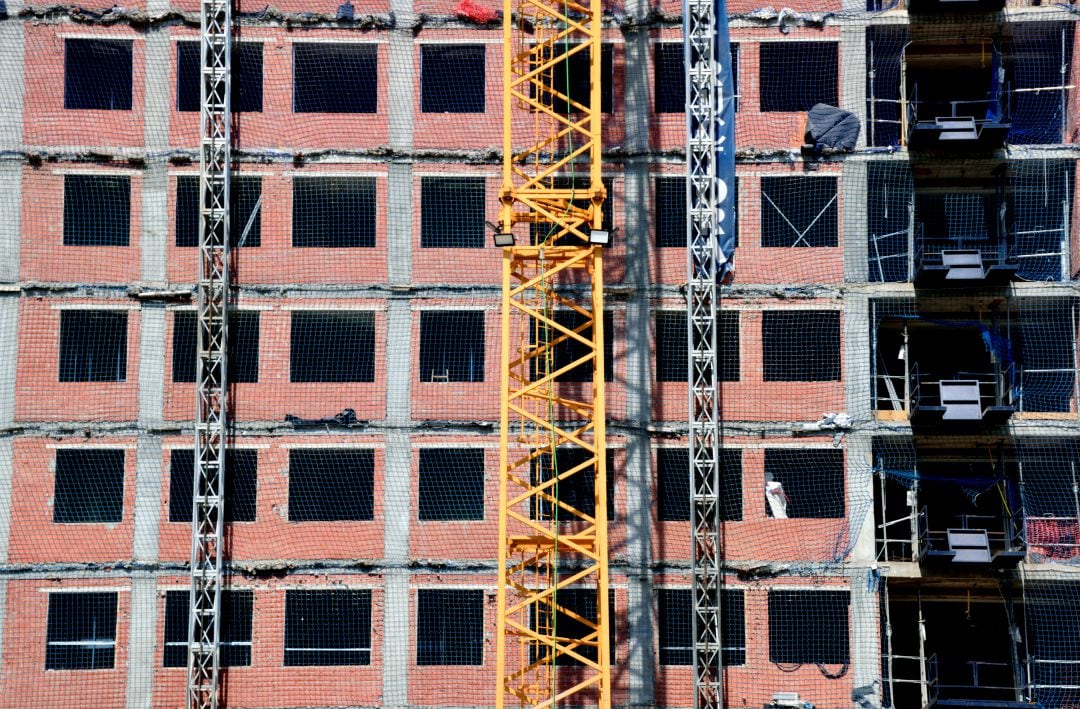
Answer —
397 638
153 238
853 184
865 639
12 47
142 642
638 473
155 215
9 321
857 357
11 208
853 86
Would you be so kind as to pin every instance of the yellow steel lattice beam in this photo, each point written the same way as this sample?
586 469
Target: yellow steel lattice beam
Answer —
548 544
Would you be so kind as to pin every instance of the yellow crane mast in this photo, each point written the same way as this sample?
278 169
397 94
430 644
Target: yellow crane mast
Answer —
552 641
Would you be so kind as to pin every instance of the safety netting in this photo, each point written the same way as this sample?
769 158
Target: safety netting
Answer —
899 517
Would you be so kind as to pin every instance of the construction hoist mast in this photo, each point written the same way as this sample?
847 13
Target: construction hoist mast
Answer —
703 227
552 302
210 407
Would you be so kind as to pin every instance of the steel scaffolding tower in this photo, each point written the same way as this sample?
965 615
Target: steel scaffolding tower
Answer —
551 182
210 411
702 184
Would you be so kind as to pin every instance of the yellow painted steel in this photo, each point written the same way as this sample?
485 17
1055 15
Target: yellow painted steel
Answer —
551 198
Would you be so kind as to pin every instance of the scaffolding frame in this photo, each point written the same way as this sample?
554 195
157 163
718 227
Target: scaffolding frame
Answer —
204 627
546 545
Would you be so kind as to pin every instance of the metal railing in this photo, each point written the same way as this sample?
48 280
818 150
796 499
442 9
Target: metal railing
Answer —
912 546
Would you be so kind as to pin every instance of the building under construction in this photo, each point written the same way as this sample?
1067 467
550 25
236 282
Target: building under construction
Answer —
283 478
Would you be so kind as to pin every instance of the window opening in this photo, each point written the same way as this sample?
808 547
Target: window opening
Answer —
327 627
452 346
241 484
93 346
97 210
333 212
332 347
247 77
81 631
242 346
451 482
798 211
795 76
452 78
335 78
89 486
801 483
97 74
331 485
452 212
245 204
801 345
235 628
449 627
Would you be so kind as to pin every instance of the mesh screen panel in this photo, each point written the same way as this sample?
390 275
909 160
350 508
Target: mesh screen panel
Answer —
898 391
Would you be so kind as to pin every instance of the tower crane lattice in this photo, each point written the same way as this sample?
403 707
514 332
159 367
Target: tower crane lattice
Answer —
552 433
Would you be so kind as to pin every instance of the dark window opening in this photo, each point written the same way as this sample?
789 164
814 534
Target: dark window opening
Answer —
241 484
669 77
798 211
247 77
672 363
93 346
811 482
546 231
581 602
327 628
335 78
797 75
449 627
452 346
81 631
452 212
333 212
452 78
235 628
332 347
675 611
801 345
885 48
451 482
570 350
331 485
808 627
97 210
89 486
245 211
577 490
242 347
571 78
670 211
97 74
673 484
888 217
